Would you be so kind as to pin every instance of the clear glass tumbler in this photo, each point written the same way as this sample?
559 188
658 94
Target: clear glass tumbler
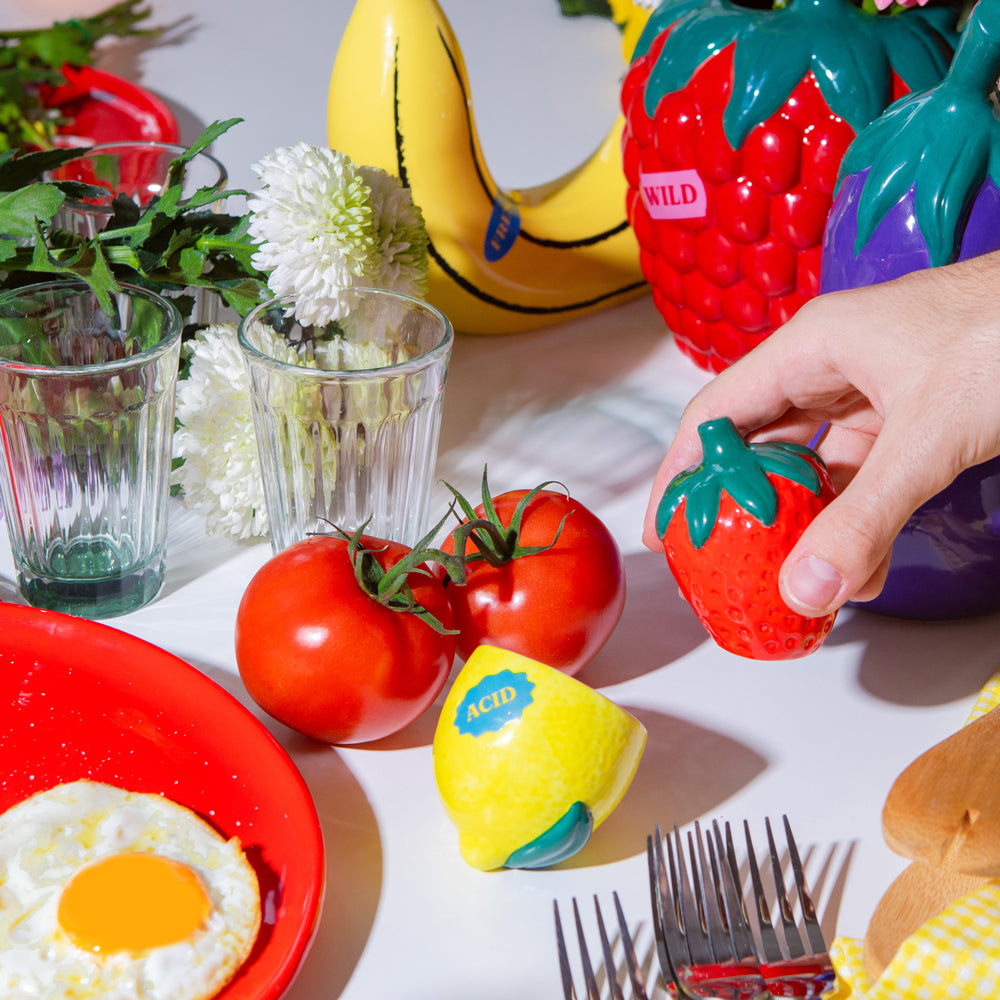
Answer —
86 424
347 415
139 171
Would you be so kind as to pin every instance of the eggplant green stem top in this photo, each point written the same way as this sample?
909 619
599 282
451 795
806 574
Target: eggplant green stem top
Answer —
943 142
731 465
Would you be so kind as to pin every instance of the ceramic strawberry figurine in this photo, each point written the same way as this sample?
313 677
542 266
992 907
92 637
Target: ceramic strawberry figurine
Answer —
736 122
920 187
727 525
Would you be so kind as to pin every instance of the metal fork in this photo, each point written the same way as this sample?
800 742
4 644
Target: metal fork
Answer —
803 968
589 979
703 940
710 922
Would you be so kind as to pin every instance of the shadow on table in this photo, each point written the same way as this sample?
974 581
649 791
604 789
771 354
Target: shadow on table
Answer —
922 663
657 626
829 884
686 772
495 379
353 858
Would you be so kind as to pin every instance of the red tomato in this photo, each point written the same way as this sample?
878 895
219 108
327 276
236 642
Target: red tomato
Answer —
558 606
323 656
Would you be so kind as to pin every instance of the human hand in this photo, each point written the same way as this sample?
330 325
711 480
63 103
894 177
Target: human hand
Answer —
905 374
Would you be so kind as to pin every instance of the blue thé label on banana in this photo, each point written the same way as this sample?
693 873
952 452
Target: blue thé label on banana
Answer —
504 225
496 700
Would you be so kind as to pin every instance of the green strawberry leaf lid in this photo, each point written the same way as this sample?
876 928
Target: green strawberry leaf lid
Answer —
851 52
943 142
732 466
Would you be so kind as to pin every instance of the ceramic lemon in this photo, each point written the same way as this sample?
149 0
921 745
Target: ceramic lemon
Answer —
529 761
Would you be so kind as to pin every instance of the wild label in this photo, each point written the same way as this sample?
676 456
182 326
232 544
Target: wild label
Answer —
674 194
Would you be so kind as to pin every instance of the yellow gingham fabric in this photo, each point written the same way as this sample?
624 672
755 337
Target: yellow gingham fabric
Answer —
954 955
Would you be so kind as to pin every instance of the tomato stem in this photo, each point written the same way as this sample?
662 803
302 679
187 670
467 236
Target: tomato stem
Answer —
391 587
496 543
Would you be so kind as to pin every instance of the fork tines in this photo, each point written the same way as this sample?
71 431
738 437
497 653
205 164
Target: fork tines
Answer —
804 968
589 978
705 933
702 937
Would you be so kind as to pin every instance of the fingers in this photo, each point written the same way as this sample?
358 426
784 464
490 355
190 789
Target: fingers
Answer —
844 553
752 394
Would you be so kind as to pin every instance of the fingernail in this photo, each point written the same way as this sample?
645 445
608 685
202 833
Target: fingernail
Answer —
813 583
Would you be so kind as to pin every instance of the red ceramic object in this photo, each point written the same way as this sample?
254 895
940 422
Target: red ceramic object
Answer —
736 119
107 108
727 525
80 699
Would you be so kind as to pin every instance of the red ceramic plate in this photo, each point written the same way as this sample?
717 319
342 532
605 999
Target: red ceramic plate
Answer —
107 108
79 699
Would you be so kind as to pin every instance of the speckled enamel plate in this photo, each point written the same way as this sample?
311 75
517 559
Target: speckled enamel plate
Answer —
79 699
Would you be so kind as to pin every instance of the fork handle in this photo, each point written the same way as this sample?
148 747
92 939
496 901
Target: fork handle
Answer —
725 980
801 978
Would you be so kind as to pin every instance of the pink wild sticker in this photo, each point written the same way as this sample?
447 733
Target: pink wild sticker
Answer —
674 194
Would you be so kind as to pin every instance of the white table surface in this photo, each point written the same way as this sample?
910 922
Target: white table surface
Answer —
592 403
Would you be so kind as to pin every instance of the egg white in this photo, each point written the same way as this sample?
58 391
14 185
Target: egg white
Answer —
46 839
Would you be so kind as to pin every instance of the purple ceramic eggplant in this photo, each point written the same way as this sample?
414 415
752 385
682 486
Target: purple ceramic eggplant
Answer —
920 187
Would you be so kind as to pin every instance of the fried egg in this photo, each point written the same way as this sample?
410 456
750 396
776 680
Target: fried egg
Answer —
119 895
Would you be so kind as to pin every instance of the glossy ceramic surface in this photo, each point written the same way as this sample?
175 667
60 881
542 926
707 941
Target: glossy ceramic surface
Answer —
732 145
529 761
908 201
946 560
103 107
84 700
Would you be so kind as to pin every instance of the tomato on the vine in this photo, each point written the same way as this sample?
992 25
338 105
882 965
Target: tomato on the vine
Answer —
544 577
333 642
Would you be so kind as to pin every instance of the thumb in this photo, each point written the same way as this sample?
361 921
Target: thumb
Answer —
844 553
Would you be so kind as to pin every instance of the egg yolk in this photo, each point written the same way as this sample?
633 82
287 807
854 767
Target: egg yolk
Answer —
132 902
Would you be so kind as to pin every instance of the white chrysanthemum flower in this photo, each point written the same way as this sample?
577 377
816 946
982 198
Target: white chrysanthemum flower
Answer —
325 225
400 264
220 474
313 221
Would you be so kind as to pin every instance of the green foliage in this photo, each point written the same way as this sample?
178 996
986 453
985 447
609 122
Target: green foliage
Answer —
169 245
32 60
578 8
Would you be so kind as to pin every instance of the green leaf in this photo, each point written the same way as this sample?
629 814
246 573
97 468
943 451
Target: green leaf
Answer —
580 8
37 55
22 210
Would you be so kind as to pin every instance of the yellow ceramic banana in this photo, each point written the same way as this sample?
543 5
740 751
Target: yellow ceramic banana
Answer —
500 261
631 16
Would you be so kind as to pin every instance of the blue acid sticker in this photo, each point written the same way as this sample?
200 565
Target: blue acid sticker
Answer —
505 224
493 702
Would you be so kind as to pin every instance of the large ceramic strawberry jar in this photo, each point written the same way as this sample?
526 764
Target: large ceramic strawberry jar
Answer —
736 122
920 187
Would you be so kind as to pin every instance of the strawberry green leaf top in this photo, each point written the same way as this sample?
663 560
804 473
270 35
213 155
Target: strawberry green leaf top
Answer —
731 465
852 54
943 142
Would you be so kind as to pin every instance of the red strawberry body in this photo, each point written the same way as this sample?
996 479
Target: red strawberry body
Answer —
732 171
727 527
